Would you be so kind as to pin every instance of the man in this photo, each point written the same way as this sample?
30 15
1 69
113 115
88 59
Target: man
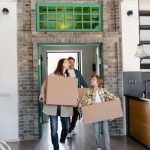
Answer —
76 74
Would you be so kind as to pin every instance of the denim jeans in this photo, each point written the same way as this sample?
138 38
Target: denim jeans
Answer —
102 125
74 119
65 122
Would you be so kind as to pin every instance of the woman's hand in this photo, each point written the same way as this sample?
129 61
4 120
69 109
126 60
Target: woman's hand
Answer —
43 99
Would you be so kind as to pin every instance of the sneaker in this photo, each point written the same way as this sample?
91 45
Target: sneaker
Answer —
99 149
65 146
69 135
73 132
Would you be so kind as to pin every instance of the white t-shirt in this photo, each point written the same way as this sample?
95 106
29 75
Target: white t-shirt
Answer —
97 97
72 73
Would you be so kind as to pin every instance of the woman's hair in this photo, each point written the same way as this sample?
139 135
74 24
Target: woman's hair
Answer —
59 68
99 80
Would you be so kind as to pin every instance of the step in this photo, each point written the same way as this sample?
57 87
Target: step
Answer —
144 13
145 42
144 27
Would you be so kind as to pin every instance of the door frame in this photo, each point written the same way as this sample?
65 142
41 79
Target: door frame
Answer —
39 52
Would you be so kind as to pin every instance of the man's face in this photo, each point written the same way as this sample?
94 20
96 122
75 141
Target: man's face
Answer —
71 64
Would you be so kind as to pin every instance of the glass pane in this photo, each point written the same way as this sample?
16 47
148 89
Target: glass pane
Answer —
78 17
43 17
51 17
43 25
51 9
69 9
69 25
51 25
86 9
69 17
95 18
95 25
78 9
86 25
60 9
61 25
95 10
60 17
78 25
43 9
86 17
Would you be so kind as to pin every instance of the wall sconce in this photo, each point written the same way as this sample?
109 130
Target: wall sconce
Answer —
140 51
5 11
130 12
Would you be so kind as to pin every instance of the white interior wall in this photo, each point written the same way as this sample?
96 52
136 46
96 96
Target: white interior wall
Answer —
130 33
8 73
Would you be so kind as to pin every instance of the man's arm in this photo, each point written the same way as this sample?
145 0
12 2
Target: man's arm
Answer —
82 81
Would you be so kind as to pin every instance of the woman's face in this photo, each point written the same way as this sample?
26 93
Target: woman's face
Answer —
94 81
66 64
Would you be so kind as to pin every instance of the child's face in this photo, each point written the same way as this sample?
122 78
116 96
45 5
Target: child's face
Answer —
94 81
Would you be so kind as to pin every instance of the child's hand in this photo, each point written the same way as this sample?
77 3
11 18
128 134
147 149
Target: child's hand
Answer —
79 110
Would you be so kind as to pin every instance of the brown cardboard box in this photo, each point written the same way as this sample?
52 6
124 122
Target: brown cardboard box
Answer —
82 92
62 91
102 111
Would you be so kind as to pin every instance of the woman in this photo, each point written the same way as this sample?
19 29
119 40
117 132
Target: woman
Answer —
54 111
98 94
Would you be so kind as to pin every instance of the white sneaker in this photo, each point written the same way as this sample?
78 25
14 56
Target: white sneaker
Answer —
73 132
99 149
69 136
65 146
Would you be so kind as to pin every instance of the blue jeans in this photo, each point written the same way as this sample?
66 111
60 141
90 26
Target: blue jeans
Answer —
65 121
102 125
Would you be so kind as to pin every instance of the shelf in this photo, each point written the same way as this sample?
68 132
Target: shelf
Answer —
145 13
144 27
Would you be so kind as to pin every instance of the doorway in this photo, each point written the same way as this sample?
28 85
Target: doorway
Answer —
88 60
54 57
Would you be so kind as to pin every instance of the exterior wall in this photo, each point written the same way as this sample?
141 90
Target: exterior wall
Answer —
28 60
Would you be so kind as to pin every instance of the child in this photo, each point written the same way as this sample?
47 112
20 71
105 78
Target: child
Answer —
98 94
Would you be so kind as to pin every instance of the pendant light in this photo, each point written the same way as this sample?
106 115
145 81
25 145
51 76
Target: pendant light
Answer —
140 51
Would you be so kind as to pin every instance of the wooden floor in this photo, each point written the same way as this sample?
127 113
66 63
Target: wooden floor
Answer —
84 140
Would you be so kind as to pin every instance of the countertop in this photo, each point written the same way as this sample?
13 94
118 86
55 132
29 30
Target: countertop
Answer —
137 98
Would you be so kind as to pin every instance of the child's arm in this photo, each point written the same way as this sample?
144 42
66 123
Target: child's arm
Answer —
110 96
85 101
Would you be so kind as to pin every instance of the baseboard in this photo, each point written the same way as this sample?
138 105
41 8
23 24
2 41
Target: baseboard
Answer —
11 140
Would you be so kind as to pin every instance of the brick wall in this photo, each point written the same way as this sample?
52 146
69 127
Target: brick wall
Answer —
28 62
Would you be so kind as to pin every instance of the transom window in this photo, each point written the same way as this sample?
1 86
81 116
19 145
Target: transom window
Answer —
69 17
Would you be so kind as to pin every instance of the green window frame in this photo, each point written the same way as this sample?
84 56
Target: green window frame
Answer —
53 17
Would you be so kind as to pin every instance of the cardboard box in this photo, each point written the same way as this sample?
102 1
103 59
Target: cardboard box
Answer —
82 92
102 111
62 91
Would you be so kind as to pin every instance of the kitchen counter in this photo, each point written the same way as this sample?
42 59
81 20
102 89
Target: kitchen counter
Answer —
138 119
137 98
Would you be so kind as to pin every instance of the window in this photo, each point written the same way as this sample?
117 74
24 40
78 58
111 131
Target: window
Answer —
69 17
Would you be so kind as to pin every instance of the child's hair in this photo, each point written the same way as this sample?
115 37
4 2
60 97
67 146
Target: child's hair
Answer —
99 80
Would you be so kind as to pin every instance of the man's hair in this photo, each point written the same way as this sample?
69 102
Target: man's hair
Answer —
71 58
